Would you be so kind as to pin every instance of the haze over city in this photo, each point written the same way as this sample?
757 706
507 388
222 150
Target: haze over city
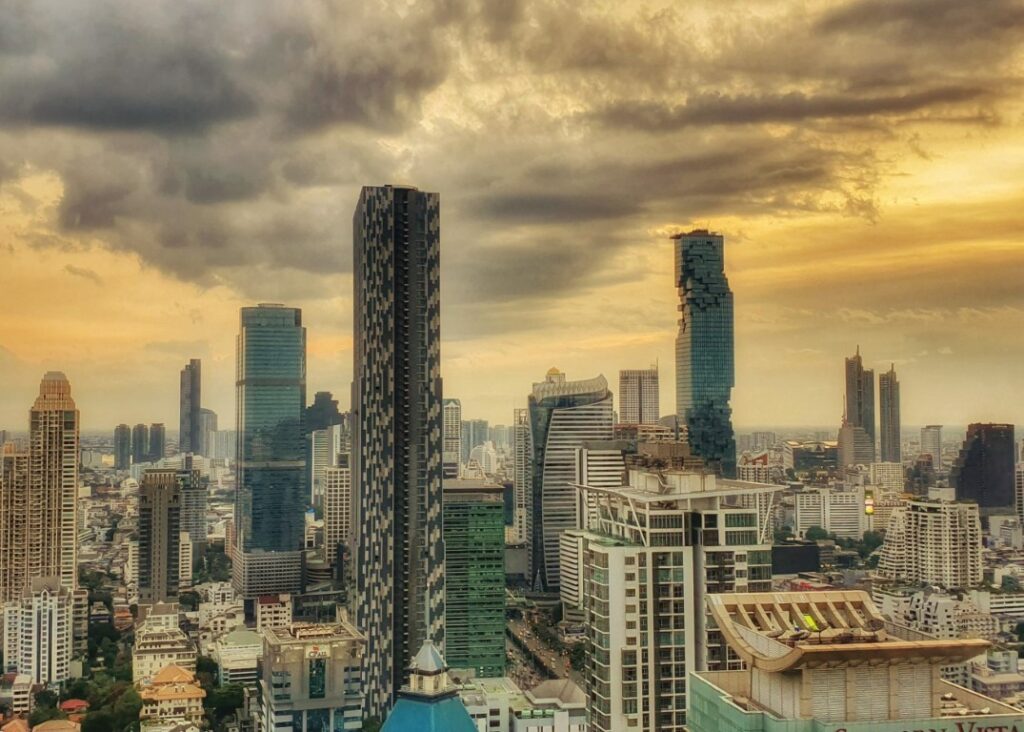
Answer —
862 158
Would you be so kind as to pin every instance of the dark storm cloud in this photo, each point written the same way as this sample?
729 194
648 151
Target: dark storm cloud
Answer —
753 109
225 143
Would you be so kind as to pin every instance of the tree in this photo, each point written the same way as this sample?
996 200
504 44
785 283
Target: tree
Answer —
815 533
222 702
100 721
372 724
126 709
188 600
44 714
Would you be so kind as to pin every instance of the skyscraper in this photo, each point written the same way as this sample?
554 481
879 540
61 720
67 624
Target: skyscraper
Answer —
323 412
983 472
522 478
563 415
474 546
39 631
452 427
192 488
190 403
122 447
889 406
207 426
860 398
705 368
270 395
53 482
140 444
396 397
639 401
159 535
474 432
157 441
14 507
931 444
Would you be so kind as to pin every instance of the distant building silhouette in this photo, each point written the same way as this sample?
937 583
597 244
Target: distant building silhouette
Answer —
140 444
983 472
190 404
639 399
122 447
889 407
157 441
860 399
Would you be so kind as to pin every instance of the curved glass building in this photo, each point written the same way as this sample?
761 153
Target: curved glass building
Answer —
563 415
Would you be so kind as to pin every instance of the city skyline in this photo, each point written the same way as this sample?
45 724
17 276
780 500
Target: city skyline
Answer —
887 212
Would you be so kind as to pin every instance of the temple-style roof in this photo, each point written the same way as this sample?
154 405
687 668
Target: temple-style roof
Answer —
779 631
173 674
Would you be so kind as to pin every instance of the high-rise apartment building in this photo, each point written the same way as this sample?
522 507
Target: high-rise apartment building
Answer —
190 398
397 458
933 543
192 487
14 507
859 404
159 536
140 444
157 441
889 407
122 447
270 500
325 445
522 478
38 631
639 399
338 505
452 427
705 366
475 432
659 548
931 444
563 415
53 482
474 538
207 428
983 472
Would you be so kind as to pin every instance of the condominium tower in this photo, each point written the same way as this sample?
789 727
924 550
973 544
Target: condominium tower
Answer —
452 430
398 445
889 407
271 498
933 543
705 367
159 536
190 399
931 444
53 482
860 399
140 444
563 415
522 478
122 447
638 396
14 507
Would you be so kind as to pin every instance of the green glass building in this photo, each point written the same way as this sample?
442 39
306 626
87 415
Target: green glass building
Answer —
474 538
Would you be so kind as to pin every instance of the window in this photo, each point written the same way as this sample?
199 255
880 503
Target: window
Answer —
317 678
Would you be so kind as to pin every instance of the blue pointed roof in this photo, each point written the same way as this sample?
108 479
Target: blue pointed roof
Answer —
413 713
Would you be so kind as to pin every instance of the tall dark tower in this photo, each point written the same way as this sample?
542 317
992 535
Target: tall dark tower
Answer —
157 441
889 407
860 397
122 447
190 403
140 444
983 472
397 430
705 367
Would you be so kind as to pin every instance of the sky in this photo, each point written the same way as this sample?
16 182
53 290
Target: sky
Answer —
163 163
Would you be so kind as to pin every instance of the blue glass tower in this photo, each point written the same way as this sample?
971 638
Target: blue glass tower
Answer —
705 366
271 496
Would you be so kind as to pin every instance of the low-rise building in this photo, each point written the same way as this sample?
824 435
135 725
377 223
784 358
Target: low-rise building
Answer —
273 611
172 695
310 677
156 648
238 654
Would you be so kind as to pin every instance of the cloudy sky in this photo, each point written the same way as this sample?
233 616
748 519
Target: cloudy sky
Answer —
164 162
